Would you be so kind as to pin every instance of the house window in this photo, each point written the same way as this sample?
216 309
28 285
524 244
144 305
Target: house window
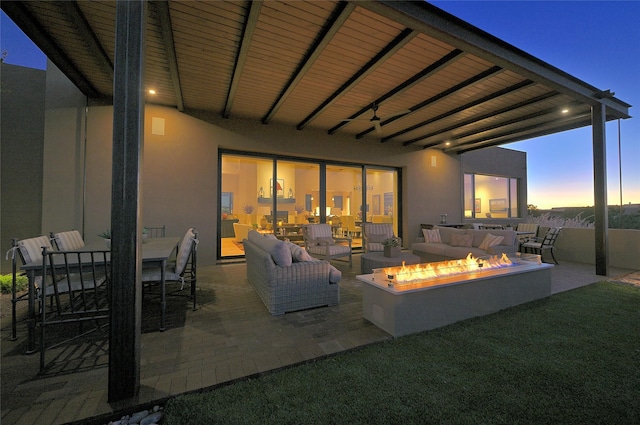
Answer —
487 196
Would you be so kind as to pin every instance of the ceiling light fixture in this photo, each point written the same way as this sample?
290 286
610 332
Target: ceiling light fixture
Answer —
152 91
565 111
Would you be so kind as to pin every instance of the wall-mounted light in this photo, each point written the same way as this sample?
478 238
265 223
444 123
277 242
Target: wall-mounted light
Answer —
261 193
151 91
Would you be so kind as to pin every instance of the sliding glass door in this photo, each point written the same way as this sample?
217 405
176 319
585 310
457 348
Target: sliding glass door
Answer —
278 195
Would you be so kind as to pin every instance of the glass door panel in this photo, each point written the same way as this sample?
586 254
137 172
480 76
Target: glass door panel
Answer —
381 197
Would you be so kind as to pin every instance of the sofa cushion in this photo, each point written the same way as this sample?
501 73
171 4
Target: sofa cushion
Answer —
278 249
298 254
490 240
479 235
446 232
432 235
461 240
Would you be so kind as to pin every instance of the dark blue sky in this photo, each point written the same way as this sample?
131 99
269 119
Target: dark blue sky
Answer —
595 41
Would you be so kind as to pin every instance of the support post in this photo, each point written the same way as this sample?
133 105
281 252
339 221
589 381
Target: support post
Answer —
126 260
598 122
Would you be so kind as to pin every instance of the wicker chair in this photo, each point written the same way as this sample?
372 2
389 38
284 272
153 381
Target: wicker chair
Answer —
373 234
320 243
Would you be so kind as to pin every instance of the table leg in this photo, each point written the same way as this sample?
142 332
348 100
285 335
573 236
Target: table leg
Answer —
31 313
163 295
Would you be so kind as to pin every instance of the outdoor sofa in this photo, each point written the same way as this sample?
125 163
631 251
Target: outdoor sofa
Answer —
447 243
286 277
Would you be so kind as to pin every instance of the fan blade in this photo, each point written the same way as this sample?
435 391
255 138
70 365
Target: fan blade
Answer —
395 114
376 124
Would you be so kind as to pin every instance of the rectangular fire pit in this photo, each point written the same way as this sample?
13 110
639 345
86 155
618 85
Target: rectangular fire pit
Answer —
420 305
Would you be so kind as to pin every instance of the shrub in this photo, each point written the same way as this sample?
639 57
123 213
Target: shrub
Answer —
7 279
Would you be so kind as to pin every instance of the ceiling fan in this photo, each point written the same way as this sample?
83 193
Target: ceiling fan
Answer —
375 119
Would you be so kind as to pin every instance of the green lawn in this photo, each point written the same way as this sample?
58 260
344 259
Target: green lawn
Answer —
573 358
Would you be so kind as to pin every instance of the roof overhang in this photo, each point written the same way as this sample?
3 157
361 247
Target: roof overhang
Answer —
435 80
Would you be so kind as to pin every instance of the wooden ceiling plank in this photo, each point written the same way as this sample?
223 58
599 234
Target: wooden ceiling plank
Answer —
339 17
397 43
19 14
166 29
435 67
247 35
442 95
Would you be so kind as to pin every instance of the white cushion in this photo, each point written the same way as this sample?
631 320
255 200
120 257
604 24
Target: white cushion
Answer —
490 240
31 249
69 241
298 254
432 235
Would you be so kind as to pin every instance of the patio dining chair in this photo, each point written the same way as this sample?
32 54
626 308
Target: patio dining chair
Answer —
76 284
30 251
540 245
373 234
68 241
156 231
320 242
182 271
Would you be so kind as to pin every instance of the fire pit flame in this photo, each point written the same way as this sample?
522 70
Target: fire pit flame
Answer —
420 272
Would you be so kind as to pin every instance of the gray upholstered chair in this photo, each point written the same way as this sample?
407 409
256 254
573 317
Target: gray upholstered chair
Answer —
373 234
320 242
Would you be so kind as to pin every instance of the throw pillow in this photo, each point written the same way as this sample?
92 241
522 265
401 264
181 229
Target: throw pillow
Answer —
432 235
461 240
299 254
490 240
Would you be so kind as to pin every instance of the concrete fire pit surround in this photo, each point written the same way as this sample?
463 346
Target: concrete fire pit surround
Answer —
403 310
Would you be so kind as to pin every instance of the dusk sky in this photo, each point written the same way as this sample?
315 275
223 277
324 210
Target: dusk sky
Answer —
595 41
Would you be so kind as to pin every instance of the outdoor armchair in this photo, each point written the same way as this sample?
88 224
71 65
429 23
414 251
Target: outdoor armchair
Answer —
373 234
320 242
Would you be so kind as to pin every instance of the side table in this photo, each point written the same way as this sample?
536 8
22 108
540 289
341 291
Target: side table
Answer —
376 260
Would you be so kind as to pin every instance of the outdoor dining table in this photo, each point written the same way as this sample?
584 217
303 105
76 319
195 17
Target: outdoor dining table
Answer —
155 253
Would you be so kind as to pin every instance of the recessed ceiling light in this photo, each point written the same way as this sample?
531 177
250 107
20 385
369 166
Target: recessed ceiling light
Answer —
152 91
447 144
565 111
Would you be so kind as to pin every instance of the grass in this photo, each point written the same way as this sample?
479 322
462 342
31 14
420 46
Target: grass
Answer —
6 280
573 358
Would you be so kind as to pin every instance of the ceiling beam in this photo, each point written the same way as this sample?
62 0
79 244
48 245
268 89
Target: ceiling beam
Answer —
20 15
549 111
443 26
430 70
71 10
389 50
478 118
166 29
440 96
523 133
493 96
243 51
339 17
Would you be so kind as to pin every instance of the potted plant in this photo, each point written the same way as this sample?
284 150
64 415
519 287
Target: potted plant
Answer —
392 246
248 211
106 235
